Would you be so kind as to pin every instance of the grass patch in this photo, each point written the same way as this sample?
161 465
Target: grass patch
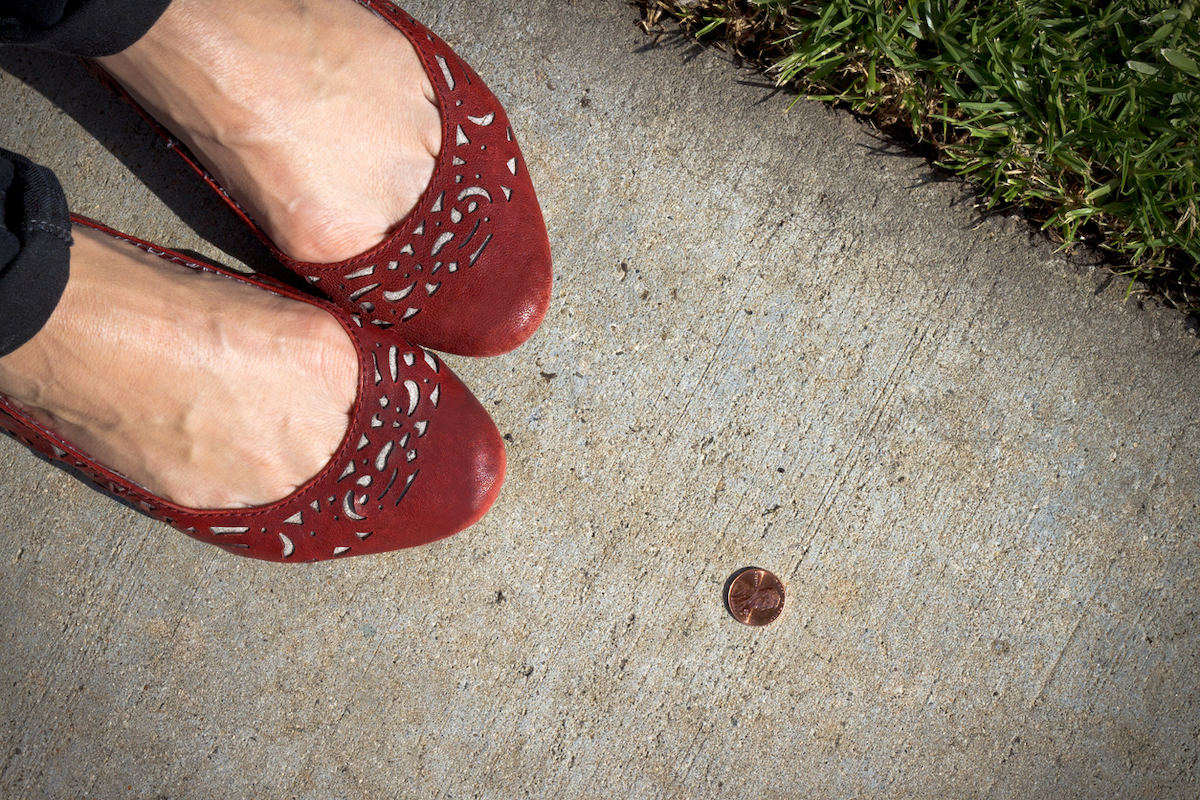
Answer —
1084 114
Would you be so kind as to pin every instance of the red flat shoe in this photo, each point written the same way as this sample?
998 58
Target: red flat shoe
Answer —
468 271
421 459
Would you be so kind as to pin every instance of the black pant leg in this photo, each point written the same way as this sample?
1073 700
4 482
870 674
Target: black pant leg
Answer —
90 28
35 248
35 225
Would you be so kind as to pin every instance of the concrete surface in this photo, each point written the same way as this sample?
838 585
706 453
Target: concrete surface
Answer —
775 340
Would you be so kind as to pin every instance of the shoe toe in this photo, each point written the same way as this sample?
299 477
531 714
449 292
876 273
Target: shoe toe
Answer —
460 463
422 459
499 312
470 271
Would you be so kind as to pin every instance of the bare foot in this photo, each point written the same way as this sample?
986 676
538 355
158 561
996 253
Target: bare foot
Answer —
315 114
206 391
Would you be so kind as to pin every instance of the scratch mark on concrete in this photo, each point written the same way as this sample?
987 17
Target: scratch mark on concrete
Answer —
1083 612
853 454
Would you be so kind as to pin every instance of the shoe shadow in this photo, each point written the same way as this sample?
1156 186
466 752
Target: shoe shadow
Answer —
66 84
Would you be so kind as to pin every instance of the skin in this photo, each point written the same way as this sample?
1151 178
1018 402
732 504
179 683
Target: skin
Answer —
238 396
287 105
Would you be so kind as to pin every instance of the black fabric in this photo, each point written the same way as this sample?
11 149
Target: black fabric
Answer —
10 245
41 13
89 28
35 225
35 248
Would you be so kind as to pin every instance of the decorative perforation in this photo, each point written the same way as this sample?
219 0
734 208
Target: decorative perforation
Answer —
479 153
375 470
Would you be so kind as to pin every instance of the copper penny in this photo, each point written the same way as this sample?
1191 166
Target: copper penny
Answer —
754 596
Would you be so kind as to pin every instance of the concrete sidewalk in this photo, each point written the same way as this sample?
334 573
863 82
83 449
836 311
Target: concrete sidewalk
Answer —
775 340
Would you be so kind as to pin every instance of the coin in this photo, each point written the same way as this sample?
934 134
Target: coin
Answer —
754 596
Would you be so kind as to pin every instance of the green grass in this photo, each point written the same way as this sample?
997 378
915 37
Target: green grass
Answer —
1085 114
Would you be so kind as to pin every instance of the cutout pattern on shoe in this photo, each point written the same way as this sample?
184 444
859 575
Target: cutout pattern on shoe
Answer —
469 270
421 458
